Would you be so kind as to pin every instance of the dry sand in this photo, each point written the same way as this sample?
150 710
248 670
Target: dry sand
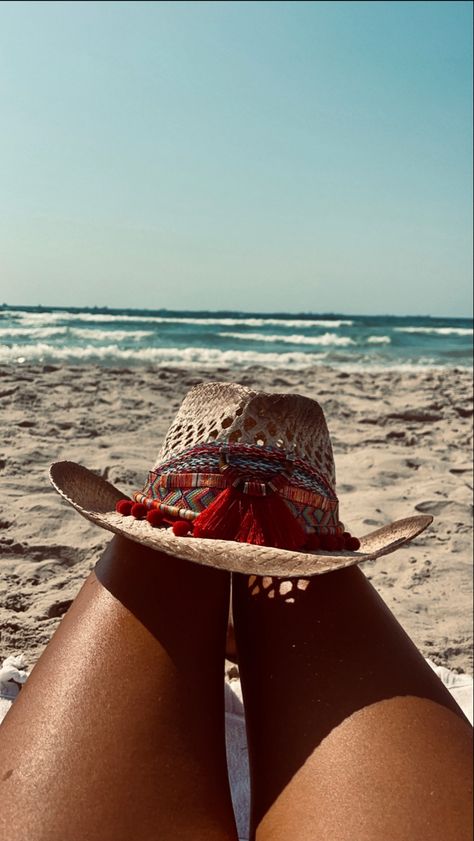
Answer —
402 443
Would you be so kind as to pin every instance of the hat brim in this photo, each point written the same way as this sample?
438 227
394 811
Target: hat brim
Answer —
95 499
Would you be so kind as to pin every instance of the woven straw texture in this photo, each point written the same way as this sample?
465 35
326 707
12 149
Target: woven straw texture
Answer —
228 413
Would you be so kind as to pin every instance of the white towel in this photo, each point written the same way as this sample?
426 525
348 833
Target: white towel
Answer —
13 668
460 687
12 672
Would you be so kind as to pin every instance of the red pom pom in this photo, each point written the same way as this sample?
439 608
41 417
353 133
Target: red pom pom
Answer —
346 535
353 544
124 507
314 541
155 518
181 528
139 511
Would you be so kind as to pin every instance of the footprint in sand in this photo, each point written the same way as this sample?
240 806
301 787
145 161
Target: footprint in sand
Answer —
420 576
416 416
442 506
464 411
17 602
58 609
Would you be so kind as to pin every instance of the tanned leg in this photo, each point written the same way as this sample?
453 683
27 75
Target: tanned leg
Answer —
118 733
352 737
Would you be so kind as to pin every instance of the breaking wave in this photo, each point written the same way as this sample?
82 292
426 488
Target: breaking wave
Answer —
379 340
437 331
325 339
35 318
176 357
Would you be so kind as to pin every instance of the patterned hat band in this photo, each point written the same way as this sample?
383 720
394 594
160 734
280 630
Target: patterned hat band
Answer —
242 492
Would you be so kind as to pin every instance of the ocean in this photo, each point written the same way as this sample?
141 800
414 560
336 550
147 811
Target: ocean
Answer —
127 337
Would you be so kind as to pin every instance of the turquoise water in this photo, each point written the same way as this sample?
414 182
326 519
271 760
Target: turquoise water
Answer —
229 339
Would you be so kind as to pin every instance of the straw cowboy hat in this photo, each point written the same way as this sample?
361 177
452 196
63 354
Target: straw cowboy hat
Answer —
245 482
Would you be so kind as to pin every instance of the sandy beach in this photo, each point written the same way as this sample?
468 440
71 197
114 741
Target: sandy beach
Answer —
402 443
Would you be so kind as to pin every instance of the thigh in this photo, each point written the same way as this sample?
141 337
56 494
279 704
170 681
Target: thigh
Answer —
352 737
119 730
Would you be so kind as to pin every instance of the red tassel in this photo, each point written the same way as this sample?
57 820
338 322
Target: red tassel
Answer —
314 541
329 543
261 520
269 522
221 519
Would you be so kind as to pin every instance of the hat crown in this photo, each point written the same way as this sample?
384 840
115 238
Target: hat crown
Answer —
228 413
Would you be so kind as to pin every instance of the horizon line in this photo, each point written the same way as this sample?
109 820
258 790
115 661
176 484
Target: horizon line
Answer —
305 313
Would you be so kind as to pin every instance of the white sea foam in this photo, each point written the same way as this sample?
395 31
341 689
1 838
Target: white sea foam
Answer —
33 318
73 332
176 357
103 318
31 332
324 340
105 335
379 340
441 331
201 358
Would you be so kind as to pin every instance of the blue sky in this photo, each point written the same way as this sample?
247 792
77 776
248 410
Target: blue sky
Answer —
274 156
